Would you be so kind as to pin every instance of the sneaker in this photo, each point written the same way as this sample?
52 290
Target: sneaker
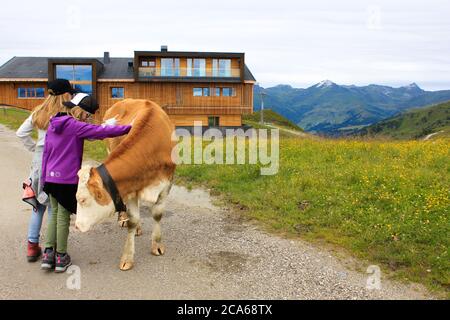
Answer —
33 251
48 259
62 262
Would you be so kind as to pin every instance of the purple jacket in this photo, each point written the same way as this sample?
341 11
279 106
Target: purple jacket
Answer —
63 150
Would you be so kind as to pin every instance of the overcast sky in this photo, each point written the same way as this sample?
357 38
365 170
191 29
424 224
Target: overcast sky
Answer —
290 42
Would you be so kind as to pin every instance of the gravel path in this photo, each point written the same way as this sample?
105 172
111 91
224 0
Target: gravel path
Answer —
210 254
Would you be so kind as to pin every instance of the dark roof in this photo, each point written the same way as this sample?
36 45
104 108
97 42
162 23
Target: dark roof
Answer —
24 67
37 67
117 68
248 76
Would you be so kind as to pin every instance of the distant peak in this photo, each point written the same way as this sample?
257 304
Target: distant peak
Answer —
413 86
283 86
324 84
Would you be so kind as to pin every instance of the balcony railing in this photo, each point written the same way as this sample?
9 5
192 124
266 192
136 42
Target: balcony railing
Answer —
152 72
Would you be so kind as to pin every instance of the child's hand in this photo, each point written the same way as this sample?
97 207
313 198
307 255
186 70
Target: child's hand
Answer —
110 122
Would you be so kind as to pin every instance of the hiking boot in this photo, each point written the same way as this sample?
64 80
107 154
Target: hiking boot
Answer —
48 259
62 262
33 251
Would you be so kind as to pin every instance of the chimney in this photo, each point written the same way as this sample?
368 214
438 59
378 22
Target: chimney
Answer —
164 48
106 58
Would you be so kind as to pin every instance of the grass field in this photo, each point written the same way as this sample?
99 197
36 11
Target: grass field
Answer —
415 123
383 201
387 202
271 117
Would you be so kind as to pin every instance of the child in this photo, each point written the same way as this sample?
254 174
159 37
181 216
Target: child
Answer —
63 153
59 91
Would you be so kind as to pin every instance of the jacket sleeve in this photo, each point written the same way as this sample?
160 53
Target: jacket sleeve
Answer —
24 133
94 132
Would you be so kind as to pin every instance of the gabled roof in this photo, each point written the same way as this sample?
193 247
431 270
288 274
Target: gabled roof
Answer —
25 67
37 68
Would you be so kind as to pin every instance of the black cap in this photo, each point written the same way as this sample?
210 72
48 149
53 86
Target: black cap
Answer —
84 101
60 86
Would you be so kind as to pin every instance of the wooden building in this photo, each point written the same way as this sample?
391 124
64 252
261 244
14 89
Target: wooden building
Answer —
211 87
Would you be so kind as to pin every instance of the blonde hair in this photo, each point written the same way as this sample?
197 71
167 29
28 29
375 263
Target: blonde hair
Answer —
77 112
51 106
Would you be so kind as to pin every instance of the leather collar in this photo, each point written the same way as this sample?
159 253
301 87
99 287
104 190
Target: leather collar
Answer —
111 187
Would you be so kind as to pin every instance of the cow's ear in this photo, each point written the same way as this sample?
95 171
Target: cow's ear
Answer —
95 186
98 195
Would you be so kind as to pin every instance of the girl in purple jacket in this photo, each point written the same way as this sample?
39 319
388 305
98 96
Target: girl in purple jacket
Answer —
63 153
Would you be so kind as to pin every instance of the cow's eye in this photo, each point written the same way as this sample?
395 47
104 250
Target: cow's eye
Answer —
82 201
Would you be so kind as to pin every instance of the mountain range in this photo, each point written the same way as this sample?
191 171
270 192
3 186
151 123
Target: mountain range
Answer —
331 109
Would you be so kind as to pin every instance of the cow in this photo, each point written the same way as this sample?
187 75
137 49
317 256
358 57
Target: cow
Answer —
141 166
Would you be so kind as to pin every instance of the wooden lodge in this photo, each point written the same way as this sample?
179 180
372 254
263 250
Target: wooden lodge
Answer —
211 87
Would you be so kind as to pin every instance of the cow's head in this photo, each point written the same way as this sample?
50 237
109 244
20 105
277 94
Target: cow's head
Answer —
94 202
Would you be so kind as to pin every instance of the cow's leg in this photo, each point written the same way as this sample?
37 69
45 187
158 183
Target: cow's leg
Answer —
157 212
127 260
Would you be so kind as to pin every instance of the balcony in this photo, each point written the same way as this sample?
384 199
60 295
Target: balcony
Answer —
153 72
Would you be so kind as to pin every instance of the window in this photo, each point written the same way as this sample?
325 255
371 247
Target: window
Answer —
229 92
177 67
202 92
213 121
189 68
80 76
148 67
31 93
150 62
199 67
22 93
221 67
170 67
224 68
40 93
117 93
198 92
217 92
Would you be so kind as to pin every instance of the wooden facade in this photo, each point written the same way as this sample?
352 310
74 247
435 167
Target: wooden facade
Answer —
174 92
9 93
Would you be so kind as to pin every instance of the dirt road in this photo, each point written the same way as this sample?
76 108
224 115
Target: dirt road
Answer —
210 254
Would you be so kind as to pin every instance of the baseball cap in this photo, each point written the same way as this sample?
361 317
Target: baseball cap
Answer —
60 86
84 101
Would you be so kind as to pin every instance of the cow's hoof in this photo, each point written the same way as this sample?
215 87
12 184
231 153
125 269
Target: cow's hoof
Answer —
122 224
138 231
123 219
157 249
126 265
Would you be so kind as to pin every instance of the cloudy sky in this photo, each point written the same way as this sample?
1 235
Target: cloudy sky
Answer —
291 42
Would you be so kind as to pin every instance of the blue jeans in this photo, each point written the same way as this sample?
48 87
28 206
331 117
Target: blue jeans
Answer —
34 226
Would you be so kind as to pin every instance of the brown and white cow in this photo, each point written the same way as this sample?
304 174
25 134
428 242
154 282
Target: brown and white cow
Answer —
141 166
